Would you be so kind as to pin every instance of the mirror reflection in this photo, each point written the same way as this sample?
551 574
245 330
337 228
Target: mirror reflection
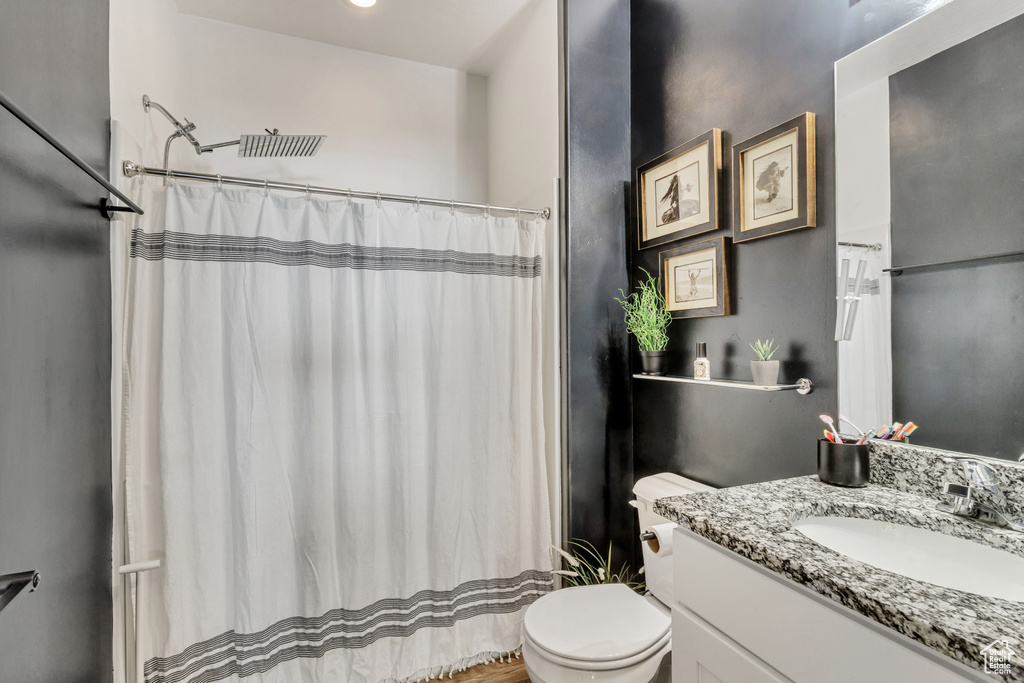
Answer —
930 230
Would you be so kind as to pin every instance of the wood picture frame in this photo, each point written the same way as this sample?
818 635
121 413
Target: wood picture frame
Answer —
695 279
679 192
774 182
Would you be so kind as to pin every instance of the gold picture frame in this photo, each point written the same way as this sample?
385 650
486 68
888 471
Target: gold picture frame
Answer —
678 193
774 181
695 279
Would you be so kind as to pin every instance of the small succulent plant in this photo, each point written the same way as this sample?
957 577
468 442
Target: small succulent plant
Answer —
764 350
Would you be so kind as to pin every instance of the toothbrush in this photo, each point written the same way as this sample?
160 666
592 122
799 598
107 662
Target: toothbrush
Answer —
843 418
905 431
866 437
828 435
827 419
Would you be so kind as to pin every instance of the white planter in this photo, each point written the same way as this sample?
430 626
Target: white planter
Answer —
765 372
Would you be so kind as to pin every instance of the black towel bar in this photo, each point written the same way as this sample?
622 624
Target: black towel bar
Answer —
12 584
898 270
105 206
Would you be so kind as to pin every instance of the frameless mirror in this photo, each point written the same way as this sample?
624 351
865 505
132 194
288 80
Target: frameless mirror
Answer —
930 228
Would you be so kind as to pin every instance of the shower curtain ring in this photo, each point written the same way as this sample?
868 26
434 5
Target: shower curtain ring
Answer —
378 199
417 203
487 211
266 188
453 206
517 212
220 183
348 195
309 195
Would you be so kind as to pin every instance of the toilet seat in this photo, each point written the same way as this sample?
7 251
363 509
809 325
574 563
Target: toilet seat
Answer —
664 644
600 627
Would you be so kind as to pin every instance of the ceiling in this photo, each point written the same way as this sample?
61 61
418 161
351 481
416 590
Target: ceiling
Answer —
457 34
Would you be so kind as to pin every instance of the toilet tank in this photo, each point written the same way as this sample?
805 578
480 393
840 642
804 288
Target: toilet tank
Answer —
658 568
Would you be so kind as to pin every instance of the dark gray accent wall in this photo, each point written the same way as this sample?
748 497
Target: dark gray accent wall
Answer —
597 90
55 344
745 66
956 140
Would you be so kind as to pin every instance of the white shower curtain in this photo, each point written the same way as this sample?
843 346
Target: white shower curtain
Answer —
865 360
333 434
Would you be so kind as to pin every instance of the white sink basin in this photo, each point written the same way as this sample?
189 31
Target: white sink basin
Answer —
921 554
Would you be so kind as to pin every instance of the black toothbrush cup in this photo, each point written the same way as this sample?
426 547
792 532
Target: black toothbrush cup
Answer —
843 464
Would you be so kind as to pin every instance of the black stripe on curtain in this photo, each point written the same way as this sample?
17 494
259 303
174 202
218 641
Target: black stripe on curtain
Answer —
246 654
180 246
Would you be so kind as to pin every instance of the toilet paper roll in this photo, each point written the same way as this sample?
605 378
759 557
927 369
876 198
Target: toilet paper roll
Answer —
661 544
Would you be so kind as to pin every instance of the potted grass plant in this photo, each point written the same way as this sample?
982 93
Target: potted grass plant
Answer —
764 369
647 319
586 566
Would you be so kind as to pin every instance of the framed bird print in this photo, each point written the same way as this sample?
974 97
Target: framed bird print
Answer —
773 181
678 192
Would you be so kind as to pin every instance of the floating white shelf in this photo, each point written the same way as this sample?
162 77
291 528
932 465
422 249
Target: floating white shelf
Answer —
803 386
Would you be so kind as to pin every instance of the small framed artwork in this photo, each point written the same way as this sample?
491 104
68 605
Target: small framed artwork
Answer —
773 181
696 279
678 193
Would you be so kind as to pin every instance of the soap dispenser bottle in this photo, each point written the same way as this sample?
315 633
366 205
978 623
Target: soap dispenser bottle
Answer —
701 366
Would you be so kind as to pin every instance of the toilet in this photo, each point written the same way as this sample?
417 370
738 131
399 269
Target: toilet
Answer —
609 633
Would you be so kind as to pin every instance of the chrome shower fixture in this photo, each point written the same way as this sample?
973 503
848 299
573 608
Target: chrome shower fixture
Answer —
277 145
270 144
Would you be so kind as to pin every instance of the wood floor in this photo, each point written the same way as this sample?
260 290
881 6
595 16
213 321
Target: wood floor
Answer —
509 672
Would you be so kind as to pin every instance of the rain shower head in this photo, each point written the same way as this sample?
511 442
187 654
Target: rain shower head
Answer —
271 144
275 145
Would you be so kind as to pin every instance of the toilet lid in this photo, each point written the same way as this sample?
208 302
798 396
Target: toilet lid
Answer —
595 623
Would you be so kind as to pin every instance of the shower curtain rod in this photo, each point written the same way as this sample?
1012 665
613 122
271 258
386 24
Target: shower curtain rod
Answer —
132 169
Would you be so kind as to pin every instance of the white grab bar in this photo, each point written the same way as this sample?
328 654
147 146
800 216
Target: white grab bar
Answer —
138 568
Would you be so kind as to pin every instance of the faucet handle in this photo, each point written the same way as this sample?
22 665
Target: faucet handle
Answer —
957 490
959 499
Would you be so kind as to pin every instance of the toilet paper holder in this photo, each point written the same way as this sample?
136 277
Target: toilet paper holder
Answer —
648 536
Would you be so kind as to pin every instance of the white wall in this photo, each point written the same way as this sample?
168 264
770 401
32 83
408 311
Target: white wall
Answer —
392 125
143 60
523 160
522 107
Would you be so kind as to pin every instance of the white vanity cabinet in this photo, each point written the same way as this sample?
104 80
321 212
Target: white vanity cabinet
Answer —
737 622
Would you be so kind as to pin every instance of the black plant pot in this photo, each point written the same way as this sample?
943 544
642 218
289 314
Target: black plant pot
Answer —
653 362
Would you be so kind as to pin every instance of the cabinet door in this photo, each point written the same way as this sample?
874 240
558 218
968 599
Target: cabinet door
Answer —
700 654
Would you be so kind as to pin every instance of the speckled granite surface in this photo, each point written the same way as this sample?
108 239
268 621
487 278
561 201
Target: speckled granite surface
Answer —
755 521
924 470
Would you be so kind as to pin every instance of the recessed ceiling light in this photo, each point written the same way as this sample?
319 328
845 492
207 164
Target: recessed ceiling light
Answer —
363 3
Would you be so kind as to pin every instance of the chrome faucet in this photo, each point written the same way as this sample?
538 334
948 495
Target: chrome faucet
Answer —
963 500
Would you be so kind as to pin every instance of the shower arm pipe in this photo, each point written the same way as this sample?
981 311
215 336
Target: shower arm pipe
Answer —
210 148
131 170
181 130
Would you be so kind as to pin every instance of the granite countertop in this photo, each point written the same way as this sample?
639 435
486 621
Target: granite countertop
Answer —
755 521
